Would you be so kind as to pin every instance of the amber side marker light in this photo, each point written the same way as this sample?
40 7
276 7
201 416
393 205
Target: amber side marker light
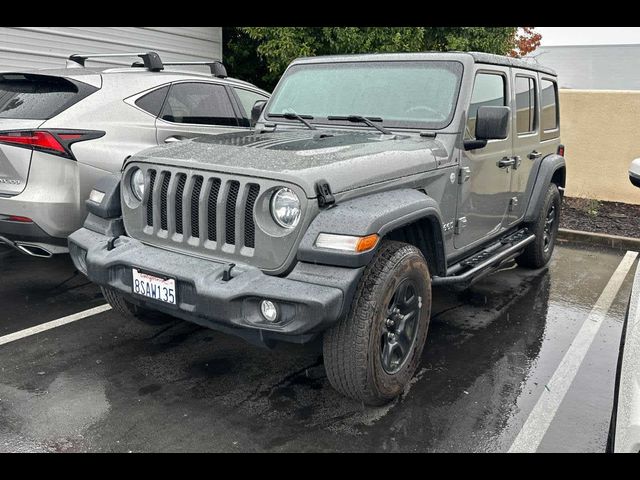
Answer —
347 243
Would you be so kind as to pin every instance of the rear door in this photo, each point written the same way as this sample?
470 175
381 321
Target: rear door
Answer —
194 108
26 102
526 139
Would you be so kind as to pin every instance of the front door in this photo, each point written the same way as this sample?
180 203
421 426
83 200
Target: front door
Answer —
484 190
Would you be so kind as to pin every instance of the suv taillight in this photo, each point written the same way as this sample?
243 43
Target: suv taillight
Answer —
56 142
561 150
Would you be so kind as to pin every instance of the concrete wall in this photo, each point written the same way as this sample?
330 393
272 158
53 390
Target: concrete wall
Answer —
601 132
593 67
48 47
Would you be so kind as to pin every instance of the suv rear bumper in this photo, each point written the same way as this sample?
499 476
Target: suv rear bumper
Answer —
310 298
29 238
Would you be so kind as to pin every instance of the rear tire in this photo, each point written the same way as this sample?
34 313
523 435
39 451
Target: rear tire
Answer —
538 253
372 354
120 304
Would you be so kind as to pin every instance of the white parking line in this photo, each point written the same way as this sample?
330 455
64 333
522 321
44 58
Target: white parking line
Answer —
545 409
12 337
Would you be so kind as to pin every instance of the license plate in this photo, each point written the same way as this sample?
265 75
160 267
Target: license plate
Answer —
151 286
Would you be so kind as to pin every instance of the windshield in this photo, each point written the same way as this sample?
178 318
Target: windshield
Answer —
412 94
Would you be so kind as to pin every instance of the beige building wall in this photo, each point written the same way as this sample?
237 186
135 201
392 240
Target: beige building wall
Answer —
601 132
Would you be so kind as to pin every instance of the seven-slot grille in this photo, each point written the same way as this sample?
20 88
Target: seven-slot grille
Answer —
209 210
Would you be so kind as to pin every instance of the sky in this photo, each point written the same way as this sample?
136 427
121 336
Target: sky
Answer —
588 35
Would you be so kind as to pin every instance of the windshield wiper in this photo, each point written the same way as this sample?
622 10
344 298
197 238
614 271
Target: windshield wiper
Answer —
295 116
360 119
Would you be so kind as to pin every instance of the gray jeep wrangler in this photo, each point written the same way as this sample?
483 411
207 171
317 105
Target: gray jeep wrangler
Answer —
368 180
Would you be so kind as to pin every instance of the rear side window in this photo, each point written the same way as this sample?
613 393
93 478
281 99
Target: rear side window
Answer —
199 103
248 99
549 104
525 105
152 101
38 97
488 91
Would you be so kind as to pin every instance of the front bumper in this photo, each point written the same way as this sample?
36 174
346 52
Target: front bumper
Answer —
310 298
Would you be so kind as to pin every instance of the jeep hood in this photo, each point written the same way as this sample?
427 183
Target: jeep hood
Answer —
346 159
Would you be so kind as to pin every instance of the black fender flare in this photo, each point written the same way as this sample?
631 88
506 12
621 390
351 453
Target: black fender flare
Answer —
378 213
548 168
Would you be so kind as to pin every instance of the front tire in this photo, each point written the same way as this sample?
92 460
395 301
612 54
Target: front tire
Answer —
372 354
538 253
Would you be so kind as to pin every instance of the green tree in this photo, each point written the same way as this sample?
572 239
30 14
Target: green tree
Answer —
261 54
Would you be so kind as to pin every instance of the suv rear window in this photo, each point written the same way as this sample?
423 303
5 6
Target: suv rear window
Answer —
152 102
38 97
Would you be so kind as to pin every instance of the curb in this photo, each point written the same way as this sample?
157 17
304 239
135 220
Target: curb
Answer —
613 241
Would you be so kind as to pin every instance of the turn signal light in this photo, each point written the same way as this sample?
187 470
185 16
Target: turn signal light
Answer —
367 243
347 243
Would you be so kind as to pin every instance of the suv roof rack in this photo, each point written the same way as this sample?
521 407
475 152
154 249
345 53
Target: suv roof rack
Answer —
216 66
150 60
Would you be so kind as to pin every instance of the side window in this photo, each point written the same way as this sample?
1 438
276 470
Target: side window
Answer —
549 105
489 89
526 105
199 103
248 99
152 101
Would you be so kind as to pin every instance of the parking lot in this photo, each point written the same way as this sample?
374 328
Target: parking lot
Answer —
494 355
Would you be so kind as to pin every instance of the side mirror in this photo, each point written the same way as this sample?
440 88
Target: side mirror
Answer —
634 172
256 111
492 123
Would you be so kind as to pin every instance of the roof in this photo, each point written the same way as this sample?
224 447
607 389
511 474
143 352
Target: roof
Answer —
478 57
170 74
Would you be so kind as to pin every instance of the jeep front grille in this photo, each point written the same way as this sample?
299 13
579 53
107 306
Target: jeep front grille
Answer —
222 217
186 206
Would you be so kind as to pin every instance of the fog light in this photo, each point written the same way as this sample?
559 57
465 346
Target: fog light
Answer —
269 310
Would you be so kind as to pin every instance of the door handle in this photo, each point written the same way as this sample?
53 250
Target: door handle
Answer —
506 162
175 138
534 155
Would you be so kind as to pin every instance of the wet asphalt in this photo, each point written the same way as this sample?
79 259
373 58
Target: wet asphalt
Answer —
104 384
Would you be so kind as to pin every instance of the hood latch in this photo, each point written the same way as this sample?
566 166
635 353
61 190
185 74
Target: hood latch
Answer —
325 197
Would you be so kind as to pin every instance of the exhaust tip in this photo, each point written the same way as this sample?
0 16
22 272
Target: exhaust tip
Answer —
34 250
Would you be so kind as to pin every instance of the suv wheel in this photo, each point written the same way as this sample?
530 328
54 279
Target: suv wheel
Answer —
120 304
538 253
372 354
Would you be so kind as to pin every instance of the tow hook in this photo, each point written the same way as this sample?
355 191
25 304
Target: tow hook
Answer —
111 243
226 273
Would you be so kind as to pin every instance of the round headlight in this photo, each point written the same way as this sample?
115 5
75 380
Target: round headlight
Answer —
137 184
285 208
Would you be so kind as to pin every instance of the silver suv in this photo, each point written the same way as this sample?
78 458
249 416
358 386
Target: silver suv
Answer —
62 129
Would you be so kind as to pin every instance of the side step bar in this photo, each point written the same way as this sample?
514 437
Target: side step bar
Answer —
487 264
